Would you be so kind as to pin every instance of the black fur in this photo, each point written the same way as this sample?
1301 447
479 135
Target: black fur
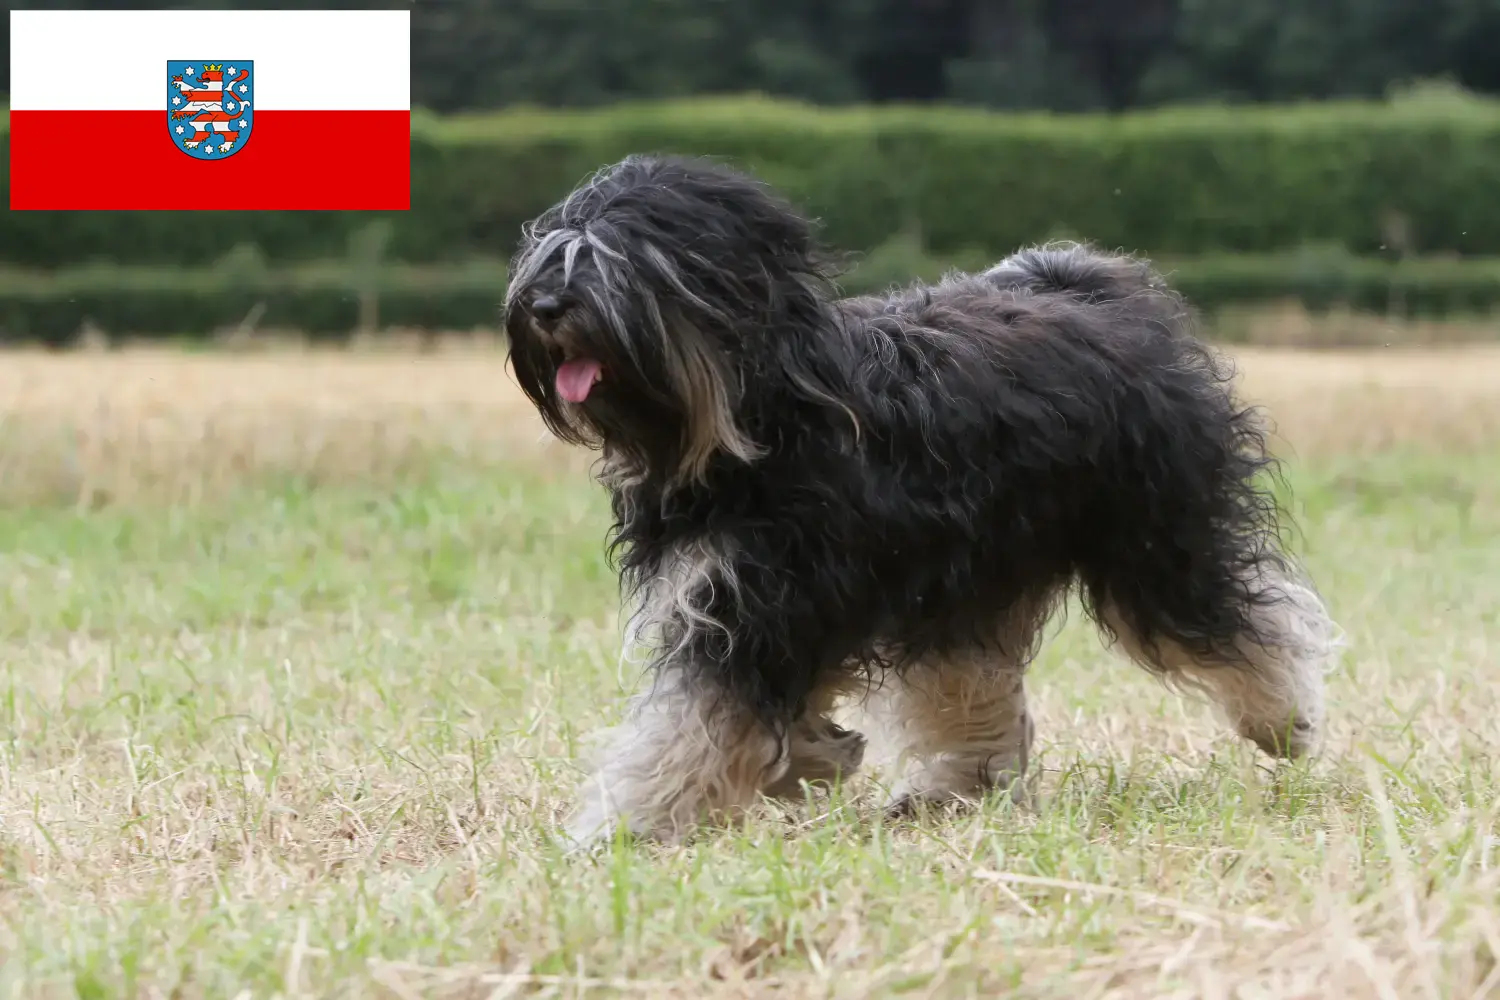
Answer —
924 468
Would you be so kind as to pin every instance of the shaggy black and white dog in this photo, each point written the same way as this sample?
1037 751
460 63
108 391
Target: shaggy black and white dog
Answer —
887 496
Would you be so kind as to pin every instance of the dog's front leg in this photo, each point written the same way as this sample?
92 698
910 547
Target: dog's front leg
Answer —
735 705
687 752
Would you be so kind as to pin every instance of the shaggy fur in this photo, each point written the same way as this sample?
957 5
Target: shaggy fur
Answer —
815 495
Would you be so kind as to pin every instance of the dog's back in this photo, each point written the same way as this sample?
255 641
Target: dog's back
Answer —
1098 278
1079 270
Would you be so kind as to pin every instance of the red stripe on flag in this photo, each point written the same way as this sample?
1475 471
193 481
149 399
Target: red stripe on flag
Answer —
291 160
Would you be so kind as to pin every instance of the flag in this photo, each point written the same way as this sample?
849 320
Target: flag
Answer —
210 109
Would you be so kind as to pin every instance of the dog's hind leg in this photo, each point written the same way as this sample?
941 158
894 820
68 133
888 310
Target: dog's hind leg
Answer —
955 728
1270 683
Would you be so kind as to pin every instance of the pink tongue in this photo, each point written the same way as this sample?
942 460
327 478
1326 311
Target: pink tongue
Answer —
576 377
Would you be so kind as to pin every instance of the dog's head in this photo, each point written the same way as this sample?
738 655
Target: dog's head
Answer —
642 306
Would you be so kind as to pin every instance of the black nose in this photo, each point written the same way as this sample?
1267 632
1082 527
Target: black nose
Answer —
548 308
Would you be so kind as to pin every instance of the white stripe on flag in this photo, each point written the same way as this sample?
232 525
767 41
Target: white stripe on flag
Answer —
305 60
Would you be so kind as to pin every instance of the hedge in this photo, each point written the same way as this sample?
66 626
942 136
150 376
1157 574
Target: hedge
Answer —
1169 183
324 299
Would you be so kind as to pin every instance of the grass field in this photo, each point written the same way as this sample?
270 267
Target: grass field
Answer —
296 652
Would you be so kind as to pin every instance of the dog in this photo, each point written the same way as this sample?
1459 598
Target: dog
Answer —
816 498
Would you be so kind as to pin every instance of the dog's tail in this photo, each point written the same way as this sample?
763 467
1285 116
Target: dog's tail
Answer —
1089 274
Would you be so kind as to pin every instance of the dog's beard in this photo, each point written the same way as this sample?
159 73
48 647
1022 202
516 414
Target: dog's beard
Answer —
643 383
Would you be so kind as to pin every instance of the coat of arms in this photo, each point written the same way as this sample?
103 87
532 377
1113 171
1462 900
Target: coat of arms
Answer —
209 112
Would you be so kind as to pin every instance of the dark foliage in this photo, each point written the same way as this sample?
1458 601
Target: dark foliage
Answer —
1062 54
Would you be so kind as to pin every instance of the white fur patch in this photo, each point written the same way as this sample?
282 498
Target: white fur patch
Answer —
1278 701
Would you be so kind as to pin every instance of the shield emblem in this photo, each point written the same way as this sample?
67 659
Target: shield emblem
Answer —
209 106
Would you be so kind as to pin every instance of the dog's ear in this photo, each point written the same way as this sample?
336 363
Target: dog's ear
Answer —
712 424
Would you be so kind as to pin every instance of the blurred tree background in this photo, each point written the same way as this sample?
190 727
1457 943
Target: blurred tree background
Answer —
1349 153
1059 55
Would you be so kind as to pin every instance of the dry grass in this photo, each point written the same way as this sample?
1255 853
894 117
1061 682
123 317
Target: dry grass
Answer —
1289 324
267 737
168 425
